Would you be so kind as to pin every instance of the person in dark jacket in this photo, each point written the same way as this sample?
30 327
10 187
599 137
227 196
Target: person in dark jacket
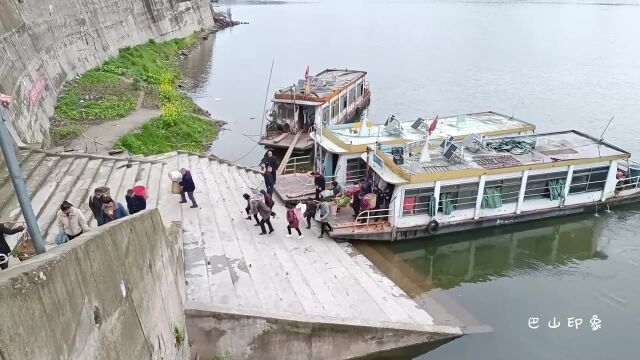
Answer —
320 183
356 203
135 202
310 212
271 160
265 213
96 202
188 187
248 209
4 247
268 180
268 199
112 210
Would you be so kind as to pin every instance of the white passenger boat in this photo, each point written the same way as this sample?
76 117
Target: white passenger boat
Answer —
481 182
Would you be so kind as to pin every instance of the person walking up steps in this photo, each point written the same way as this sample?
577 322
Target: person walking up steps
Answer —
265 213
292 219
324 219
310 212
249 209
269 182
4 247
96 201
268 199
188 186
71 222
112 210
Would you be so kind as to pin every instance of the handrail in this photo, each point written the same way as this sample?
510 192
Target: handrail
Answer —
367 215
296 163
633 184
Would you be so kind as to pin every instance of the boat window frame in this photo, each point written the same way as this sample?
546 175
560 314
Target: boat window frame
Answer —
582 180
346 104
511 184
351 99
360 89
335 108
424 205
544 178
361 168
469 202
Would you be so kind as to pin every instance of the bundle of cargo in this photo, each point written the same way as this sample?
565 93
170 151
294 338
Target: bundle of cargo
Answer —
176 178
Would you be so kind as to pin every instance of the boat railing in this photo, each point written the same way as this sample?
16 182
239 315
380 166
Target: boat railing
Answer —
628 183
297 164
364 218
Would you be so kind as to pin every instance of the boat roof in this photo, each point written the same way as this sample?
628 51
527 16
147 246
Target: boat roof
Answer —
345 138
322 87
498 156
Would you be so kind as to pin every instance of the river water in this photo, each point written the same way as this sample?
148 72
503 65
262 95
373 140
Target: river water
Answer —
559 65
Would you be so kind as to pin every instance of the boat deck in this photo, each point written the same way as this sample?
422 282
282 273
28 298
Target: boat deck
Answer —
295 187
284 140
512 152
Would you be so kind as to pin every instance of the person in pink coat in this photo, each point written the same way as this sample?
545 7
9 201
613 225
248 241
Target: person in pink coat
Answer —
292 219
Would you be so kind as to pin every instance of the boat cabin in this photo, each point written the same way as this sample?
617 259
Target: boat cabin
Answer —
331 97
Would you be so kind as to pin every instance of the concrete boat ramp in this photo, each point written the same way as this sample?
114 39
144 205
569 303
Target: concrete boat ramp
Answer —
250 296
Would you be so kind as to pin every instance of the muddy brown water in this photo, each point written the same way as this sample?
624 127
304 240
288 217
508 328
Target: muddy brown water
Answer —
557 64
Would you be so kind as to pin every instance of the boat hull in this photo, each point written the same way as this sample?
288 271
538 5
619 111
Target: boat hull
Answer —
422 233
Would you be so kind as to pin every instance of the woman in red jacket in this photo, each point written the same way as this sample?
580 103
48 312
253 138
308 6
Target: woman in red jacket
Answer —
293 221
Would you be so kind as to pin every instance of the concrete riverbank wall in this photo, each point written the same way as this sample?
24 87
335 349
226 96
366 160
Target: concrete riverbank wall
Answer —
116 292
44 44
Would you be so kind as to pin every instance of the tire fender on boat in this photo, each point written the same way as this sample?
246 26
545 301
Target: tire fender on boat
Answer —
433 226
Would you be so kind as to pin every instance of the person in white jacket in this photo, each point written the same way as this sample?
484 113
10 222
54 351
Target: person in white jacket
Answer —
71 221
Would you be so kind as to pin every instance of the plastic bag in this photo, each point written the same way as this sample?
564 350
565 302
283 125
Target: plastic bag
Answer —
61 238
175 175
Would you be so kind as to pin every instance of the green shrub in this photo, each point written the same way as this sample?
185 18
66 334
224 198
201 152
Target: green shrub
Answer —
66 131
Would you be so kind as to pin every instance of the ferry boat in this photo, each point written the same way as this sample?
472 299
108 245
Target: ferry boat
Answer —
339 147
333 96
475 182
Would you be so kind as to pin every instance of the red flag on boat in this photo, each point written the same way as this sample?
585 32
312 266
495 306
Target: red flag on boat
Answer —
306 73
433 124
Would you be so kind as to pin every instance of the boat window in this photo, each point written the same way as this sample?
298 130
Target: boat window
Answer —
418 201
458 197
545 186
325 115
510 189
356 169
360 87
352 96
343 102
587 180
285 112
334 108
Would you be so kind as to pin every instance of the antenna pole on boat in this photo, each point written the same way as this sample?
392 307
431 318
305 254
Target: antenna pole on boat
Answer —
604 131
264 108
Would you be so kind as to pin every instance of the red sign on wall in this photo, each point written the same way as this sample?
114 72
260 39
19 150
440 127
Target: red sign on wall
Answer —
37 89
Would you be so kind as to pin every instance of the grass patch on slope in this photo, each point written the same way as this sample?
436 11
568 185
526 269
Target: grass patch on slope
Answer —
110 92
180 127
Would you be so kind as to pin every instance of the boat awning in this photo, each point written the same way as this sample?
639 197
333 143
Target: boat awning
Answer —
328 145
297 102
382 171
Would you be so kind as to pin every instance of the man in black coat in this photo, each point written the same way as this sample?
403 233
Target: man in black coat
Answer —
4 247
269 182
320 183
187 187
271 160
135 202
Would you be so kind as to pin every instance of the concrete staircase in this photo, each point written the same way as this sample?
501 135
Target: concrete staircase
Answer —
226 262
52 178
